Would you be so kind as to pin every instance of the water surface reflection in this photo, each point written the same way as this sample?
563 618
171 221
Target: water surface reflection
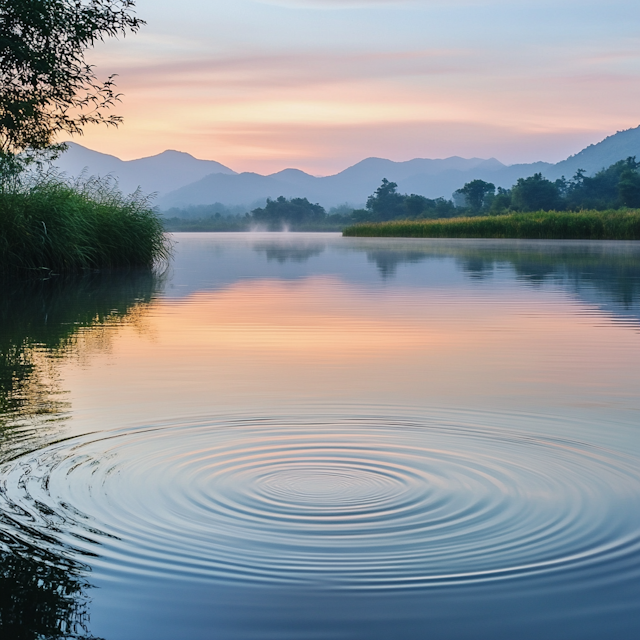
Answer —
44 583
300 435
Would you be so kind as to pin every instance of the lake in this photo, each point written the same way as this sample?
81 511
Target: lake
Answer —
307 436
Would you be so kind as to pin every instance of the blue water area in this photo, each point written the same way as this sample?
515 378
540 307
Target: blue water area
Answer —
307 436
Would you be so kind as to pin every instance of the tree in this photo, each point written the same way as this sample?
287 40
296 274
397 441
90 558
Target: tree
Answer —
417 207
475 193
501 203
386 203
607 189
46 86
297 211
536 194
629 185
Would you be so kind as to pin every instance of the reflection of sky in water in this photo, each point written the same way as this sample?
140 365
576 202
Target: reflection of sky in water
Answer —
455 421
275 321
606 274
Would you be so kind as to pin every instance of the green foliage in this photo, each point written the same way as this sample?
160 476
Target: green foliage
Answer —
592 225
48 225
47 87
629 187
501 202
282 212
609 188
536 194
387 204
477 194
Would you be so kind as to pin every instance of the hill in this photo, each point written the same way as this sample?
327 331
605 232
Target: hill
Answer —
618 146
180 180
159 174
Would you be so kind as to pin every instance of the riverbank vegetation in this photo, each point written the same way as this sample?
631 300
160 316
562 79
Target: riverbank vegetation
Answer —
545 225
614 188
50 226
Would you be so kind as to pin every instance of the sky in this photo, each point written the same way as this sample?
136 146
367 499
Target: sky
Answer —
321 84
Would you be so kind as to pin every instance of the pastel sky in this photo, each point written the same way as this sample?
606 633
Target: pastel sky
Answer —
321 84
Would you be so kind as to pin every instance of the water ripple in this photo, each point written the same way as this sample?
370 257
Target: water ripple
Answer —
354 503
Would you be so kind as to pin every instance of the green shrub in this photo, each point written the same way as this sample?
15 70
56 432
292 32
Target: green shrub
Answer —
47 224
544 225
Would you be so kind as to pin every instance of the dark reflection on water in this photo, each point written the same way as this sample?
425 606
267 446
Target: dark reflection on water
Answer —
604 273
299 252
387 261
43 582
40 322
314 474
42 595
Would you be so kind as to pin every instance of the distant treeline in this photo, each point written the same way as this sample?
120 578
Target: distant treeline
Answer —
615 187
296 214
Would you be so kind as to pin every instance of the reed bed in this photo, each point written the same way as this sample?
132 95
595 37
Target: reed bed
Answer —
48 225
540 225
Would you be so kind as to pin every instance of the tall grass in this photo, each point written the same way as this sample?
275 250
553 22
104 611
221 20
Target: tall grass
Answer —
48 224
543 225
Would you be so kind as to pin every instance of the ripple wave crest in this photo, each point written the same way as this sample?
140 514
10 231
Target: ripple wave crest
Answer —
357 503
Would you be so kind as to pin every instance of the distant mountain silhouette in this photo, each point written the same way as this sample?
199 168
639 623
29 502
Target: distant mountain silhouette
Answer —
598 156
430 178
159 174
181 180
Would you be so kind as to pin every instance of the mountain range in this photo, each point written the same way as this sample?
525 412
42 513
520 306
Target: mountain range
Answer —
179 180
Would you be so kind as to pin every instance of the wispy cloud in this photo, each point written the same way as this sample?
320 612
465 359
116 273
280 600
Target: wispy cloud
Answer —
260 86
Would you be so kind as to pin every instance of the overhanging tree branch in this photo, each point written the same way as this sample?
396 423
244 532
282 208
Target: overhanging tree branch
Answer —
46 86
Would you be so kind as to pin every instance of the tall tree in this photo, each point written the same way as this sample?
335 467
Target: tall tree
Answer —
476 193
46 85
536 194
386 203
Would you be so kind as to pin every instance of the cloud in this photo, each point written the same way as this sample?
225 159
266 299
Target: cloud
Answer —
277 71
260 87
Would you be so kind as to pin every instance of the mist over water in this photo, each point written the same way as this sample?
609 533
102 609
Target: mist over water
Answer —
305 436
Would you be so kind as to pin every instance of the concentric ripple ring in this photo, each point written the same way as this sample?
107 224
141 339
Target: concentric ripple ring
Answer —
353 503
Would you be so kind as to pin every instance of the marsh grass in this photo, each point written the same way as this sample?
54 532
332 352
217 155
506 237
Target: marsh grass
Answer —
540 225
50 225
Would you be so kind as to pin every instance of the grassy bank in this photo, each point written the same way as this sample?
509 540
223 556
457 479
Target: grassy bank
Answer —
542 225
49 225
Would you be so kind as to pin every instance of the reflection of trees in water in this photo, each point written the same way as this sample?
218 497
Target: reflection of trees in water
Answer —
606 276
283 252
42 597
387 261
477 267
615 281
43 593
43 321
602 273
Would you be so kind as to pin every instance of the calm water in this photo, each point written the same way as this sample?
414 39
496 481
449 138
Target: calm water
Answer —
304 436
